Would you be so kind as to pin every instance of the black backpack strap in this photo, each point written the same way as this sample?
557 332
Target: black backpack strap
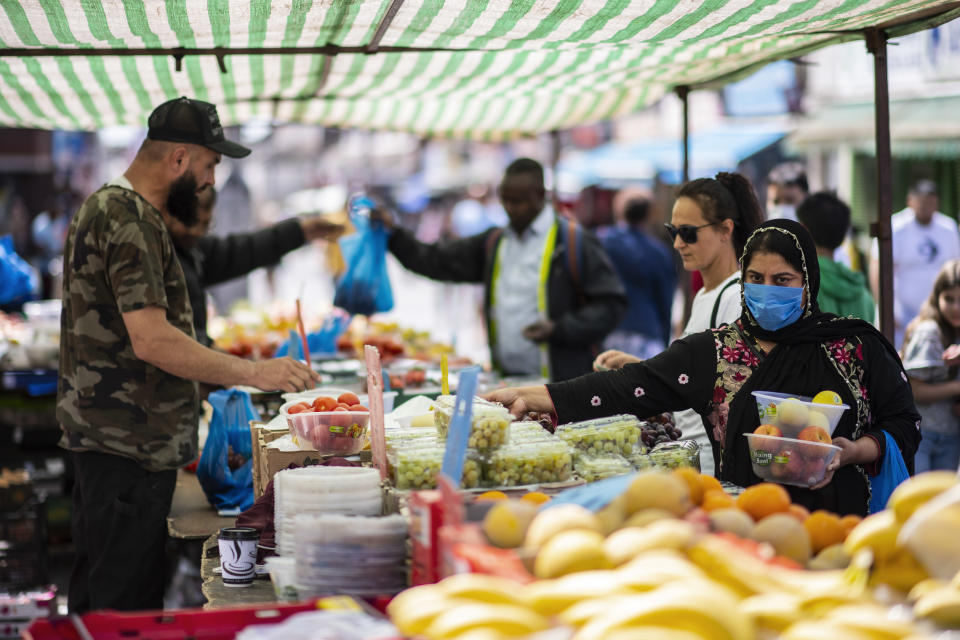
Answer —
574 244
491 243
716 304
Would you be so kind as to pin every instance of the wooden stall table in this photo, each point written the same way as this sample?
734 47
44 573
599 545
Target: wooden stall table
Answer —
218 594
191 516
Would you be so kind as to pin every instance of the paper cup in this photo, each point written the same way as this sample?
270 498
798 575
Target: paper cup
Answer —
238 555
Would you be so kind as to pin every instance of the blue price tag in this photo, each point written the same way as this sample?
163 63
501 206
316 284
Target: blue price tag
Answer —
459 431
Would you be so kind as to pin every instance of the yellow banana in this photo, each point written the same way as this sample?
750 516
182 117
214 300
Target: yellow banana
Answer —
621 546
413 610
872 619
941 606
916 491
694 606
877 532
924 587
481 588
772 611
505 619
550 597
816 630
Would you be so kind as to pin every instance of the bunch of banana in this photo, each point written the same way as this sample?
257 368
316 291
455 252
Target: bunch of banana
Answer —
938 601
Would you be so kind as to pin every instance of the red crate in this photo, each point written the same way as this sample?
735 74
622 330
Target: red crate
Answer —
221 624
426 518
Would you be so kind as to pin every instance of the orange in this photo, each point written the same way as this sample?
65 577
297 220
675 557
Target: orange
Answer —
709 482
799 512
825 529
536 497
849 522
764 499
491 495
692 478
716 499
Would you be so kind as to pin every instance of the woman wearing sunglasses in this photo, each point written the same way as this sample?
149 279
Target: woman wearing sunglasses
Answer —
781 342
711 221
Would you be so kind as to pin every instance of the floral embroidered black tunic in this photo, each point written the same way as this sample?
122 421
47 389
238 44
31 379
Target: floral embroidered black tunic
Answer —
715 372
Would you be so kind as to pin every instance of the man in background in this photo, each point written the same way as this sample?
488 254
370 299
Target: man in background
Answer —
209 260
923 240
842 291
787 187
550 293
646 269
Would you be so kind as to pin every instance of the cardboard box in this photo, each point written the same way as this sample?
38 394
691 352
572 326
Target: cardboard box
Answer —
267 461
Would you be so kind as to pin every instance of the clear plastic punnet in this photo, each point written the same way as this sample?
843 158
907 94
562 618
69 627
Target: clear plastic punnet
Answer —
669 455
531 463
490 422
593 468
526 431
604 436
417 468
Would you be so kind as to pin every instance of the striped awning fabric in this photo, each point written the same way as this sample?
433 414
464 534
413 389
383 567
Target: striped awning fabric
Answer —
480 69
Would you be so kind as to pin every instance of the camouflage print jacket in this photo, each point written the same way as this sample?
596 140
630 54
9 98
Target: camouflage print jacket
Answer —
118 258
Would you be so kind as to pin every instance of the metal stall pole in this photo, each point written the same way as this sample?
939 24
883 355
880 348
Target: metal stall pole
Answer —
683 92
686 286
877 45
554 161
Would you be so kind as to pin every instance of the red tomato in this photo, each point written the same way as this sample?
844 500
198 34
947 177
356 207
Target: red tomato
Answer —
343 405
348 399
300 407
342 408
324 403
358 407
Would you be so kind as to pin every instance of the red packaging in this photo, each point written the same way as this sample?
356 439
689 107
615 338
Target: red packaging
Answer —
464 549
426 518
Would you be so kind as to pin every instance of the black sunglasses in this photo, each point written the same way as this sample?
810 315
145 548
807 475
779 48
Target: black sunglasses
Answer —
687 232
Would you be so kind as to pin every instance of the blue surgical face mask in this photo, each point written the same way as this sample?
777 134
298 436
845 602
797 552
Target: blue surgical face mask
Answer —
774 307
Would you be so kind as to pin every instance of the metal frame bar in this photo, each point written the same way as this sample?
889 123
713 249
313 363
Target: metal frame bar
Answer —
876 40
683 92
374 45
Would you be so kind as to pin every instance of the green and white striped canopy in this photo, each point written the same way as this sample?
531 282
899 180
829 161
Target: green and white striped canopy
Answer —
482 69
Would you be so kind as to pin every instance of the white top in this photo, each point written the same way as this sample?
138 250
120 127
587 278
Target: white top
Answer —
515 294
918 253
703 302
688 421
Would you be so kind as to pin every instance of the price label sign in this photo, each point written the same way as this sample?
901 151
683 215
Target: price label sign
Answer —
460 423
378 444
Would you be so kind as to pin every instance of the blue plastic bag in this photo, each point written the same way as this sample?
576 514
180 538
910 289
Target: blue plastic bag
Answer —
893 471
19 282
365 286
323 341
229 438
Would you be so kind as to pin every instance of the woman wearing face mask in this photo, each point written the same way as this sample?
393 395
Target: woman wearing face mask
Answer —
781 342
711 221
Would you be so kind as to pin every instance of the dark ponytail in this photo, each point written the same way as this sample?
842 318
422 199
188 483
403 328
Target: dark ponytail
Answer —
729 196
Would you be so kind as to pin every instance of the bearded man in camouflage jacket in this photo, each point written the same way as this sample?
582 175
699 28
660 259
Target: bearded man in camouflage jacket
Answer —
127 399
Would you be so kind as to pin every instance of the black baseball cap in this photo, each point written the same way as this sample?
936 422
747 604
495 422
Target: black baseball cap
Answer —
193 122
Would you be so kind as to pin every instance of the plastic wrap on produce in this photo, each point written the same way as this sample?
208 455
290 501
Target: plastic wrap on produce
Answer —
324 625
669 455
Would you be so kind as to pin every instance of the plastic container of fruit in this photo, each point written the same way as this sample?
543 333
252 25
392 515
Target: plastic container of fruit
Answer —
669 455
417 468
531 463
490 422
593 468
802 463
330 432
527 431
800 414
619 435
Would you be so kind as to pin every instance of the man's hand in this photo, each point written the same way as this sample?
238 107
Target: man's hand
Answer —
613 359
384 216
283 374
539 331
319 228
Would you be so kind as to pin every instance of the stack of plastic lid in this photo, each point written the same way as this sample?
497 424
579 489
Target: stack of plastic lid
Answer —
322 490
352 555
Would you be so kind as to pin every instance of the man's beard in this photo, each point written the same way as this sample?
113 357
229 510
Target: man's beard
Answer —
182 199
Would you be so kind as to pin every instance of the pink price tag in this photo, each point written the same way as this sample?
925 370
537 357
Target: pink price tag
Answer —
378 443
